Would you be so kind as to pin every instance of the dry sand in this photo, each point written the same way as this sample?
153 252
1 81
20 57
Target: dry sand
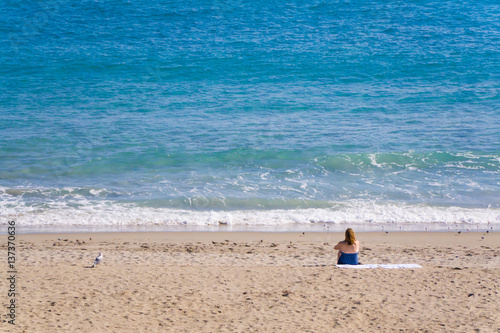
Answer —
254 282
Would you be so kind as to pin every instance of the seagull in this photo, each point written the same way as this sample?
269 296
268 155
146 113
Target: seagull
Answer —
97 260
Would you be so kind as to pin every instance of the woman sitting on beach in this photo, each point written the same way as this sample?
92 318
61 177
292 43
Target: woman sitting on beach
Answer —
348 249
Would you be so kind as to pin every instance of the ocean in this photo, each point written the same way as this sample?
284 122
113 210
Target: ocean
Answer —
249 115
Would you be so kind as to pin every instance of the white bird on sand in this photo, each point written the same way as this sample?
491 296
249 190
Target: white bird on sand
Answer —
97 260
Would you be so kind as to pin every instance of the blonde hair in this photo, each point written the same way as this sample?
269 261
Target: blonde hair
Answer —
349 236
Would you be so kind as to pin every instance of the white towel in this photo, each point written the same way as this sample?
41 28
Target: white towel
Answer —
387 266
391 266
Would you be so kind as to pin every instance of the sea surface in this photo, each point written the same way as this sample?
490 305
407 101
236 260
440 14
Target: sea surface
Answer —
261 114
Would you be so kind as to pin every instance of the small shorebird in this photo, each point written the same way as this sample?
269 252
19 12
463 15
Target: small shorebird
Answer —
97 260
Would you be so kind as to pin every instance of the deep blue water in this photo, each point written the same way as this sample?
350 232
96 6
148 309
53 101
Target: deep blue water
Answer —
273 113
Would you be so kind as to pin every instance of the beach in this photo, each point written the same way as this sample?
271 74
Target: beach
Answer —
255 282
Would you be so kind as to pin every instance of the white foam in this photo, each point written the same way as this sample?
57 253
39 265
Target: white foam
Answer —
106 213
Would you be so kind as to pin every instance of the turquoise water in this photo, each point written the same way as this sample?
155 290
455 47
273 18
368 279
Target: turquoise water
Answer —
116 113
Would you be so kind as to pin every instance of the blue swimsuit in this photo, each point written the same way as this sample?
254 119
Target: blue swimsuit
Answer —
348 258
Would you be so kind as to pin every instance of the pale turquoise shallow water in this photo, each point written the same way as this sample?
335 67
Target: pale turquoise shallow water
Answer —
117 113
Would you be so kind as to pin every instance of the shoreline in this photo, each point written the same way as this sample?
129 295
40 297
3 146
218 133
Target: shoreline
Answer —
398 237
290 228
